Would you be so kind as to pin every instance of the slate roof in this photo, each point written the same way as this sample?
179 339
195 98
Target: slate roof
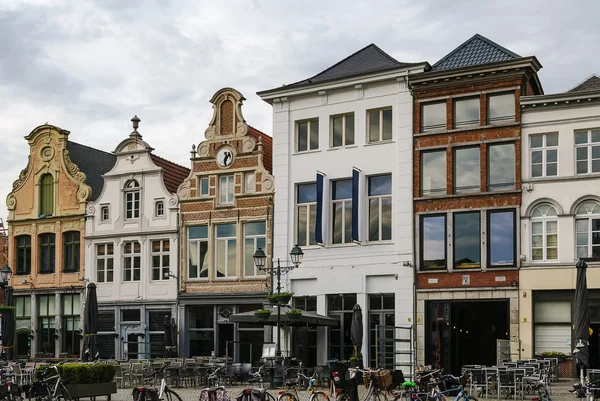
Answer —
93 163
367 60
173 173
477 50
267 147
590 84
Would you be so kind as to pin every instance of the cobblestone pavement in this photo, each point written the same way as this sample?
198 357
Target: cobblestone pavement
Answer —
560 392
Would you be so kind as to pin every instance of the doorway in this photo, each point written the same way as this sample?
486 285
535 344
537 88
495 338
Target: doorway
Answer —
22 345
464 332
130 342
595 346
225 334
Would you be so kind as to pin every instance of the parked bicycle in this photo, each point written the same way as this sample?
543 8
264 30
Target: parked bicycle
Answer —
376 388
583 391
49 386
151 393
256 393
292 394
214 391
541 389
440 395
10 389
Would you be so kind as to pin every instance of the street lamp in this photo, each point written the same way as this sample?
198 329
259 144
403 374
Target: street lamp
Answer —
5 274
260 260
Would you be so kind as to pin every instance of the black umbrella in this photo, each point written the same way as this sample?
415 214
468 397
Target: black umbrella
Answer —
174 336
581 318
356 329
167 336
8 324
90 323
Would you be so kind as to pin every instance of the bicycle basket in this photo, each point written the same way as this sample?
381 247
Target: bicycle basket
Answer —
381 379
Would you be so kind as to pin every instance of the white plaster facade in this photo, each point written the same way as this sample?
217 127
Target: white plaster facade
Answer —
548 284
145 293
362 268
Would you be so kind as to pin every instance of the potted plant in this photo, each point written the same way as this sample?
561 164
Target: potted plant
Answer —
353 362
565 363
85 380
294 314
284 297
262 313
272 299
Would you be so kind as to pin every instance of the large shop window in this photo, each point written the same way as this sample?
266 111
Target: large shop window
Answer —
380 207
501 238
47 253
341 211
501 167
225 260
71 304
22 326
467 240
156 332
23 245
552 326
587 228
467 176
198 252
306 214
255 236
250 336
433 242
433 172
106 334
46 325
340 341
381 330
201 330
304 338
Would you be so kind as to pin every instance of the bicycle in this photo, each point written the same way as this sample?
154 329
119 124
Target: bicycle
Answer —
583 391
440 395
151 393
10 389
375 391
256 394
313 395
542 391
45 390
214 392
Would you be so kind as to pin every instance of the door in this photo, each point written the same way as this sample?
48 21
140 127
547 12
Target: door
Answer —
130 342
225 339
22 345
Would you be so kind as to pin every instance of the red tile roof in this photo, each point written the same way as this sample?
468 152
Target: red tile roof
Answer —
267 147
173 174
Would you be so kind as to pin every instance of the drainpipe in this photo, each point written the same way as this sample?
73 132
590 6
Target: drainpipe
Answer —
271 200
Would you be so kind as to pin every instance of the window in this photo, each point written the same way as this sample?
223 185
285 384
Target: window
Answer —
132 200
201 329
304 338
433 172
341 211
544 233
306 211
160 259
47 195
307 135
198 252
433 242
255 236
70 325
501 167
501 238
466 112
23 244
46 324
544 155
501 108
104 263
156 332
130 315
382 338
225 259
104 213
587 228
159 208
342 130
23 313
587 151
47 252
106 339
71 253
466 170
380 207
131 261
340 341
379 123
249 182
467 240
226 188
204 186
433 116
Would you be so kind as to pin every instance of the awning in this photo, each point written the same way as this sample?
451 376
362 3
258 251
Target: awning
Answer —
307 318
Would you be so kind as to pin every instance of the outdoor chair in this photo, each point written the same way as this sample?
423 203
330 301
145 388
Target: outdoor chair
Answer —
519 378
478 383
188 375
507 381
126 372
174 377
19 377
118 376
137 373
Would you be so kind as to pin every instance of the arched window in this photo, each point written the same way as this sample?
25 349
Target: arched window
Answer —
544 233
47 195
132 200
587 229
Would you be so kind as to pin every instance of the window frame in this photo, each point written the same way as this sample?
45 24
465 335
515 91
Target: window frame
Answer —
422 168
588 145
47 201
489 241
381 198
133 256
159 208
589 217
381 133
23 255
344 132
544 149
105 262
345 202
436 127
200 186
161 253
309 240
73 265
46 317
470 123
229 241
205 262
250 187
467 189
502 186
227 182
249 259
50 261
104 217
454 236
310 122
504 119
544 220
72 316
422 266
133 197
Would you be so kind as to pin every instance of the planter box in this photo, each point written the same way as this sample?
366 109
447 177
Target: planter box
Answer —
91 390
262 316
565 369
294 316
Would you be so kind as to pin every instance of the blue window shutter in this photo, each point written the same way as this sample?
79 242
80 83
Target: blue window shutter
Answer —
355 181
319 222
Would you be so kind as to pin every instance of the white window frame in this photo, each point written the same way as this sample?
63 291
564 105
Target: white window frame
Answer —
162 269
309 206
226 189
380 136
589 145
250 182
159 208
230 241
104 213
592 208
344 130
132 256
199 242
200 181
105 261
380 218
544 149
344 203
255 238
309 123
545 218
132 196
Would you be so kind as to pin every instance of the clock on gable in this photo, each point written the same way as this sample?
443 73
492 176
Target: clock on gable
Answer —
225 157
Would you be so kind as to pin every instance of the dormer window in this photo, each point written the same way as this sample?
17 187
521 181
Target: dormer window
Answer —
132 200
159 208
104 213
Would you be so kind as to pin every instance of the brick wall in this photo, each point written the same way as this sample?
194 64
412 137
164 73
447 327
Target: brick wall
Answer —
490 278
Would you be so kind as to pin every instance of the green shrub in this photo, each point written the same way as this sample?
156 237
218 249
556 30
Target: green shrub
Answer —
82 373
553 354
294 312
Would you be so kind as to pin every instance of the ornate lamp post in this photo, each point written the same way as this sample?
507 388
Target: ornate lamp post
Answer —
5 275
260 260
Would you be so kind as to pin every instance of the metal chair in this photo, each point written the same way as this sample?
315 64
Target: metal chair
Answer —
478 379
507 380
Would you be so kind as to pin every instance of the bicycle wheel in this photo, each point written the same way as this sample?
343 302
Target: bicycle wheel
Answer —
269 396
170 395
378 396
203 395
343 397
319 396
286 397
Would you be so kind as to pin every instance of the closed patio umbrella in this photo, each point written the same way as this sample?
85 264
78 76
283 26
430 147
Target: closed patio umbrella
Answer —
8 324
581 319
356 329
174 336
90 324
167 336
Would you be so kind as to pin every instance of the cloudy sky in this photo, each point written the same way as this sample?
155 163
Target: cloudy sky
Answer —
89 66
